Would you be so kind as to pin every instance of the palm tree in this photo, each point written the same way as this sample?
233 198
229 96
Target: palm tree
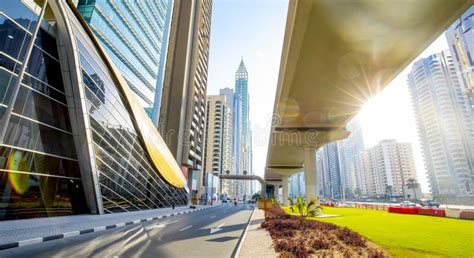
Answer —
388 190
412 184
311 209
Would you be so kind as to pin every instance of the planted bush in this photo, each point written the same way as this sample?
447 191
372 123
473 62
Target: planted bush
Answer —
297 238
350 237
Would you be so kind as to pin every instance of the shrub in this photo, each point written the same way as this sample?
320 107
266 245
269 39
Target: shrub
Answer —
374 253
321 243
295 238
320 226
350 237
297 248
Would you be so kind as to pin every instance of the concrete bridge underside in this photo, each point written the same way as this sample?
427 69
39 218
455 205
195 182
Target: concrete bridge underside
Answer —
336 55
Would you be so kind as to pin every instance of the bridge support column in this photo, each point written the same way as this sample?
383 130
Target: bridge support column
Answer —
285 186
310 173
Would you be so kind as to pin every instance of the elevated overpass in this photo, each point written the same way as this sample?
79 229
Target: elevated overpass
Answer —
336 55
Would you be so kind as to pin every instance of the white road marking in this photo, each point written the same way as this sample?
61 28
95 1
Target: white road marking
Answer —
155 226
213 217
133 236
217 229
183 229
130 230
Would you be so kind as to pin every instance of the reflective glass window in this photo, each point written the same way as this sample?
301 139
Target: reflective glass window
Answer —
29 196
19 160
40 108
7 82
44 88
27 134
13 39
45 68
19 13
47 42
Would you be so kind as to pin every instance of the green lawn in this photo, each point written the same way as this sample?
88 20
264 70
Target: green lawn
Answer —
408 235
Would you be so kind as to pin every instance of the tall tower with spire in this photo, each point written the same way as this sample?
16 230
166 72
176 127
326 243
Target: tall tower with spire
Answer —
241 88
243 137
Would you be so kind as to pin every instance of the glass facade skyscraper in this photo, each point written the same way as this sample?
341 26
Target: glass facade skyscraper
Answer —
72 133
348 150
135 36
243 137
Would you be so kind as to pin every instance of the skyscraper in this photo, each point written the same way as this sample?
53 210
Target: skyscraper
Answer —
387 167
330 171
296 185
460 36
241 88
227 185
73 137
135 36
182 114
244 138
218 138
444 125
348 150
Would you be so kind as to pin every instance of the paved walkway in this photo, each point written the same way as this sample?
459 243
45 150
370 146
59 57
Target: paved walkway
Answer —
257 242
36 230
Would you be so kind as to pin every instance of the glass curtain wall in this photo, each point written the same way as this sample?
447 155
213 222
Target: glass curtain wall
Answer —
39 172
127 180
39 165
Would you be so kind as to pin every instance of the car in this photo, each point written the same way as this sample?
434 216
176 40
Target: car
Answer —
430 203
407 204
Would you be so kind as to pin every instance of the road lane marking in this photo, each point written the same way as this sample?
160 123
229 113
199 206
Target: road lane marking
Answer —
133 236
155 226
130 230
183 229
213 217
217 229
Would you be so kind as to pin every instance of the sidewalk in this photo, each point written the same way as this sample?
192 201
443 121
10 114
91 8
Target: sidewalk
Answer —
14 233
257 242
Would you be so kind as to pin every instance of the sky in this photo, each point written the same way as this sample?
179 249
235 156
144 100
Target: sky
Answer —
254 30
390 115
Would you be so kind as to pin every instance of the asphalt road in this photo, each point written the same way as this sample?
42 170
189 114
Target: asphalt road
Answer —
208 233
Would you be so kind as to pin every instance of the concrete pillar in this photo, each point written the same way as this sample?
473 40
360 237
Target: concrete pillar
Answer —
310 173
285 187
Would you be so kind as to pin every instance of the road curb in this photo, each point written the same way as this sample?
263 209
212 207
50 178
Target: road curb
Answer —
91 230
236 253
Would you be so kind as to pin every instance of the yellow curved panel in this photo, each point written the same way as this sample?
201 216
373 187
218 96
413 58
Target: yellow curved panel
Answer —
157 149
161 158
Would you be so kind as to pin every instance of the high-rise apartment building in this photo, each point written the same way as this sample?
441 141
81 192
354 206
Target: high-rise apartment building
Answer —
296 182
227 185
387 167
348 150
235 159
460 36
135 36
182 114
73 137
445 128
218 139
330 184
